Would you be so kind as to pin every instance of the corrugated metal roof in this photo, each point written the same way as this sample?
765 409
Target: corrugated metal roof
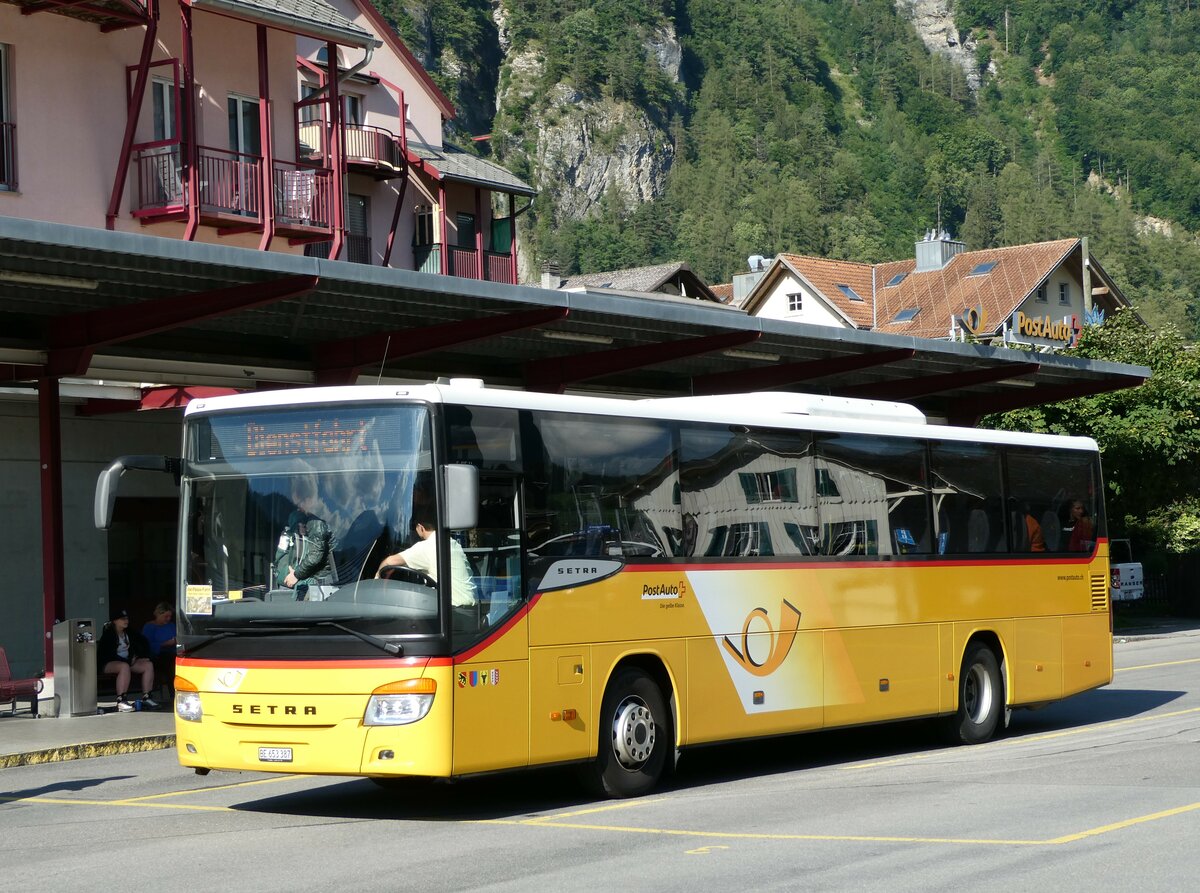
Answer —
452 163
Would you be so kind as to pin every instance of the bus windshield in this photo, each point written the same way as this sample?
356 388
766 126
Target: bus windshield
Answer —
288 513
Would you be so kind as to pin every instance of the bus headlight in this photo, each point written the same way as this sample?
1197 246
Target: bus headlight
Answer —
399 703
187 701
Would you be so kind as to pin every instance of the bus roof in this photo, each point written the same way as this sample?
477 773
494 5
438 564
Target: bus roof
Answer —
766 409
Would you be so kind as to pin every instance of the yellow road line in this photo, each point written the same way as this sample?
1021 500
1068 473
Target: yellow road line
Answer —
219 787
547 822
1169 663
59 801
626 804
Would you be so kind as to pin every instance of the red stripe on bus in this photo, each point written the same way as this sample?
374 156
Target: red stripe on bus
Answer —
310 664
499 631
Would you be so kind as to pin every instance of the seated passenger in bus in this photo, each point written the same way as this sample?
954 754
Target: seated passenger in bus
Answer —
1083 531
422 556
302 558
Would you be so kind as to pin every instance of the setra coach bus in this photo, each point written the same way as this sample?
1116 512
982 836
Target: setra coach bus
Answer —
611 581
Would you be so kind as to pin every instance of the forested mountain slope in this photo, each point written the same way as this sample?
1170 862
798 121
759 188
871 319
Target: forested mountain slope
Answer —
711 130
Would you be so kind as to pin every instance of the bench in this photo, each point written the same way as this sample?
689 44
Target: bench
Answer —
14 690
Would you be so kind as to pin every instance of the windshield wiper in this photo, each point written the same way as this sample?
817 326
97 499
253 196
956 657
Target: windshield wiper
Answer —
389 647
223 632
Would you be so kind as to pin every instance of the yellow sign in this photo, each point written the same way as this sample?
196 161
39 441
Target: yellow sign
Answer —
1065 330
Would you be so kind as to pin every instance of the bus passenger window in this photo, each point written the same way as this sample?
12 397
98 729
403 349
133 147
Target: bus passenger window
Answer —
968 513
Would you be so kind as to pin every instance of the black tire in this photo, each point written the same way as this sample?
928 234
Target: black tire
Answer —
635 737
980 698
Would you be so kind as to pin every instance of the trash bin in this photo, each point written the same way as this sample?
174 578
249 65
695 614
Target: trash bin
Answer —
75 666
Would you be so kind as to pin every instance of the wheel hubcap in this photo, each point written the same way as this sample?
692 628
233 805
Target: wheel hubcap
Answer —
977 695
633 733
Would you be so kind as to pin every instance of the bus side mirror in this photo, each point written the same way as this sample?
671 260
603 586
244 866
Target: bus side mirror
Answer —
462 496
106 484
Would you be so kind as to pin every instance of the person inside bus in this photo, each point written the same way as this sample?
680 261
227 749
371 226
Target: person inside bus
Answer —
422 556
1083 531
1034 539
306 542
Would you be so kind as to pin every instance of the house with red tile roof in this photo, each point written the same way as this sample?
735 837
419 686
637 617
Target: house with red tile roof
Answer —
1037 295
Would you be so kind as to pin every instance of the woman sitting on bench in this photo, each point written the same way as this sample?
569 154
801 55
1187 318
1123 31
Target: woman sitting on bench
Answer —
121 652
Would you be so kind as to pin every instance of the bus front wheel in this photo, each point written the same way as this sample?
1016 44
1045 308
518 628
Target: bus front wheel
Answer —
980 697
635 737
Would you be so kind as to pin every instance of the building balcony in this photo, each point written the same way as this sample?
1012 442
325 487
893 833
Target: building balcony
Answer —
230 190
491 266
373 151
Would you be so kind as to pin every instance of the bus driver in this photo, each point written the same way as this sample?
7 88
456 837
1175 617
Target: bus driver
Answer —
422 556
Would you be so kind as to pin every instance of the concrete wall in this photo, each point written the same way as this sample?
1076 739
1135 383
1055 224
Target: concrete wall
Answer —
88 445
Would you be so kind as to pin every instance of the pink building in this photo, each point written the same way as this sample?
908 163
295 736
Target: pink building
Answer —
300 126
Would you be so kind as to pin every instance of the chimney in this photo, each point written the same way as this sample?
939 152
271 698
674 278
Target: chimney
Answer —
743 283
935 250
551 275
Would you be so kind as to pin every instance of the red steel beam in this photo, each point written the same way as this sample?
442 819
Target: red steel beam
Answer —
781 374
54 599
935 384
14 372
73 339
554 373
339 362
968 411
132 113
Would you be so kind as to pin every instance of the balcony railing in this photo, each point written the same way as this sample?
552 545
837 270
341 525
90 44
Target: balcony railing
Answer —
158 177
373 146
230 182
8 156
464 262
373 150
356 250
303 195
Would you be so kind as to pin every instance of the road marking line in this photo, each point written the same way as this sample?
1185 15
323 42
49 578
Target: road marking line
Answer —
1170 663
219 787
58 801
628 804
546 822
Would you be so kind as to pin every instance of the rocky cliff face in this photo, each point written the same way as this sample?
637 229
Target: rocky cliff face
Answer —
934 22
580 149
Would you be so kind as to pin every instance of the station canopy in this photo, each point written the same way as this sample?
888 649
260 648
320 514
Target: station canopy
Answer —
82 303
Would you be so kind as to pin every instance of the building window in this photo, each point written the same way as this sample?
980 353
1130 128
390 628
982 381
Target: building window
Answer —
423 230
906 315
162 97
895 280
1064 293
352 110
8 131
849 292
466 229
795 303
984 268
1041 293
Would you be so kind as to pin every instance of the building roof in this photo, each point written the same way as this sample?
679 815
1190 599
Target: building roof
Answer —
925 304
673 278
452 163
131 307
723 292
944 294
312 18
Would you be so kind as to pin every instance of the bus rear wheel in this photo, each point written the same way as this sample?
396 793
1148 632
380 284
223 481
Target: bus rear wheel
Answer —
635 737
980 697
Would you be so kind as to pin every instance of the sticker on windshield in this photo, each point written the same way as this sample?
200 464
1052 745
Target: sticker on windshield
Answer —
198 599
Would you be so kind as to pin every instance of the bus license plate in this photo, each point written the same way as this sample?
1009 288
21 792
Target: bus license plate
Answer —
275 754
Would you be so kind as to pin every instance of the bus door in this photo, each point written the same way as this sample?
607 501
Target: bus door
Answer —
491 675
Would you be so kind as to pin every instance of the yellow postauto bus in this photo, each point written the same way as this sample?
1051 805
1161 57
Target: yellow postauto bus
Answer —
449 579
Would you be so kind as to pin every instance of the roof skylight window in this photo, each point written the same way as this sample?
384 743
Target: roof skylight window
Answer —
849 292
984 268
906 315
895 280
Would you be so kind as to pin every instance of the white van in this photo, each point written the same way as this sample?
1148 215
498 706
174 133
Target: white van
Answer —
1126 574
